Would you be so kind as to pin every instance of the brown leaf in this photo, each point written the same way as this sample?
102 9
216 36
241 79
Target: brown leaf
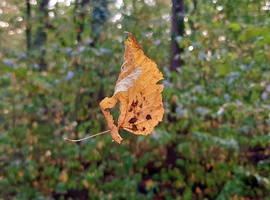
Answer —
138 93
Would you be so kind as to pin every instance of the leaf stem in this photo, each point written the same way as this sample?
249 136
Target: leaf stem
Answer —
86 138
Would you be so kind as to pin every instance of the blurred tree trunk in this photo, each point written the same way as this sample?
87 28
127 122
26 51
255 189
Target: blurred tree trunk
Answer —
177 31
100 16
28 26
81 19
41 36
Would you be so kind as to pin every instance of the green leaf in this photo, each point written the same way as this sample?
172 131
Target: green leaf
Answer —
235 27
223 69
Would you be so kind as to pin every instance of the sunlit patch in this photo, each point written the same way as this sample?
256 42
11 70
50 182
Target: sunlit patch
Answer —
43 73
68 3
190 48
150 2
266 6
19 31
4 24
19 19
119 26
205 33
48 153
166 17
209 54
51 14
116 17
11 32
188 32
3 3
52 3
149 34
33 2
220 8
118 4
222 38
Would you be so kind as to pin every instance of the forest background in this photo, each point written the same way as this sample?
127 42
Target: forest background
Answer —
58 60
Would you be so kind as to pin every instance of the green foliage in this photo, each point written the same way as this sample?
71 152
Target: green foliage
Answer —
213 142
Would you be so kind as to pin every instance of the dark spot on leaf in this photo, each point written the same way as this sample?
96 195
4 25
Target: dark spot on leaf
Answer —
132 120
134 127
144 98
148 117
143 128
140 105
133 105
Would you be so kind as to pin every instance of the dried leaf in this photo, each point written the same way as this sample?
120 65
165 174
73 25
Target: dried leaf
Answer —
138 93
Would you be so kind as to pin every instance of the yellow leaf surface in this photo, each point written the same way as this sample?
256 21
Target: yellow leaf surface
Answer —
138 93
